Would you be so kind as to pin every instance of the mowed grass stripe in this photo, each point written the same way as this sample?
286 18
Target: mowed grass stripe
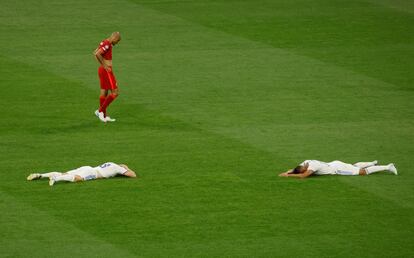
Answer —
37 99
213 199
371 37
30 232
352 115
201 191
143 30
213 196
49 153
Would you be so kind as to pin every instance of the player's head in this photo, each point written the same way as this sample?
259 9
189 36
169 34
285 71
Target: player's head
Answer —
115 37
300 169
297 170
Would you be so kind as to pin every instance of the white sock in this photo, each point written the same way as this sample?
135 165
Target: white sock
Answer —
51 174
365 164
375 169
65 177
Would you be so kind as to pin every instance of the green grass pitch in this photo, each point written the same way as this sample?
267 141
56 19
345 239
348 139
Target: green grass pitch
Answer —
216 97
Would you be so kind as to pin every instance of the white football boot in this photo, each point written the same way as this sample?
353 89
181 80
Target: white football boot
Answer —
109 119
52 181
33 176
392 169
101 117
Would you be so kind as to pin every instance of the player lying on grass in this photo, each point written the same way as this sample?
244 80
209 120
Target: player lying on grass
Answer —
316 167
106 170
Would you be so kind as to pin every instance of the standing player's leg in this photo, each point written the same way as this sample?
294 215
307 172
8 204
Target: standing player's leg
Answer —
105 87
102 96
112 96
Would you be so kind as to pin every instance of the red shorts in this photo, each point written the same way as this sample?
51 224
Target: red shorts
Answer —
107 79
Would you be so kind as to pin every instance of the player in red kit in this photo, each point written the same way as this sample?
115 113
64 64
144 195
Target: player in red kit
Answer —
103 53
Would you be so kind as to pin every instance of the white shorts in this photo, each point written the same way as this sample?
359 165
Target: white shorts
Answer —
344 169
86 172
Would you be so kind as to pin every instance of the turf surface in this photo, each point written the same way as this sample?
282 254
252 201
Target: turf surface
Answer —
216 98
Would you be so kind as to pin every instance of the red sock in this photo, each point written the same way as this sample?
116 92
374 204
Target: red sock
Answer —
101 101
107 101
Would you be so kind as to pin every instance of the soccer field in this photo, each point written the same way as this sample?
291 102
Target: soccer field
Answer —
216 98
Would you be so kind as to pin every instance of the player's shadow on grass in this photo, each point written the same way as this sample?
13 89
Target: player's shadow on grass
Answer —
70 128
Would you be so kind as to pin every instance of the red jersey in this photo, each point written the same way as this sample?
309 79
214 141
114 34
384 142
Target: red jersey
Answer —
106 48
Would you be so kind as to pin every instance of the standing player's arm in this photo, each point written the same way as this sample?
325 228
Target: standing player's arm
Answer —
100 59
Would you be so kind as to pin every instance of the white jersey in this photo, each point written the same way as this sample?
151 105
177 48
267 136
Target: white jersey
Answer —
319 167
331 168
110 169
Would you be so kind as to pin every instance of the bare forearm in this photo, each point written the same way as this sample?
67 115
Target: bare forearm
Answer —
100 60
130 173
295 175
285 173
300 175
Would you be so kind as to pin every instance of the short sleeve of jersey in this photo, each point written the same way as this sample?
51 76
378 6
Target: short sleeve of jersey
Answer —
122 170
104 46
314 165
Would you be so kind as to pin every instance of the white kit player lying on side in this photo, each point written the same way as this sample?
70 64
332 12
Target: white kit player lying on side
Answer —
316 167
106 170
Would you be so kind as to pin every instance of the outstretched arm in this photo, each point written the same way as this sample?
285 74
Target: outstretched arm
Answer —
301 175
286 173
130 172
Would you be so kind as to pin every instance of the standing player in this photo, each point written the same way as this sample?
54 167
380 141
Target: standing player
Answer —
106 170
106 76
316 167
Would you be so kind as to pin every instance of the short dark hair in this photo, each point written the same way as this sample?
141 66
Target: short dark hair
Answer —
297 170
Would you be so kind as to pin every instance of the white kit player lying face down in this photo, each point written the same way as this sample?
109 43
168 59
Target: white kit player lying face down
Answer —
106 170
316 167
